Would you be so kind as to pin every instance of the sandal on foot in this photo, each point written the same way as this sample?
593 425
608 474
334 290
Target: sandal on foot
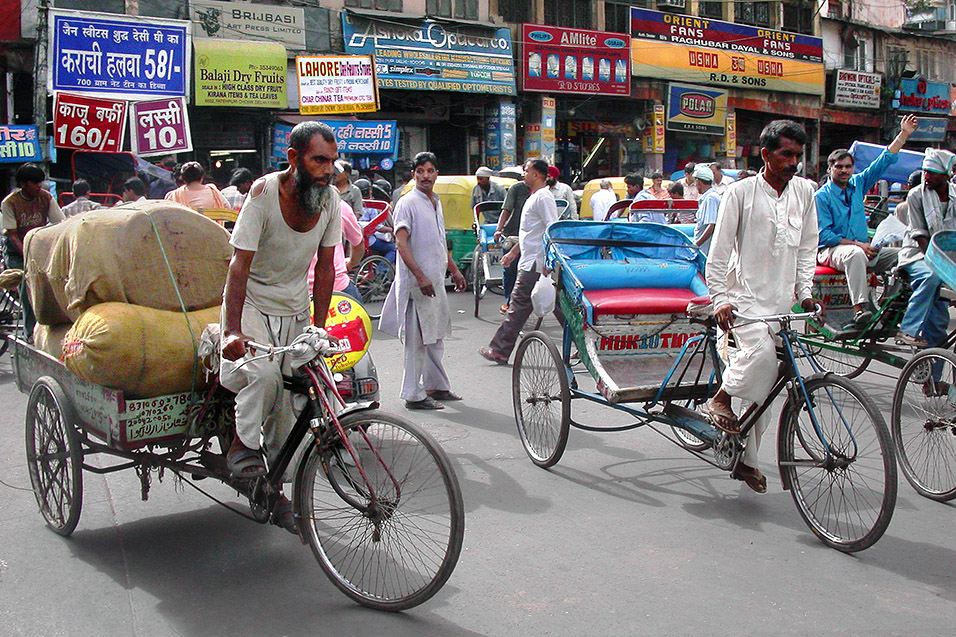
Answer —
902 338
493 356
444 394
246 463
283 517
750 476
722 417
426 403
504 308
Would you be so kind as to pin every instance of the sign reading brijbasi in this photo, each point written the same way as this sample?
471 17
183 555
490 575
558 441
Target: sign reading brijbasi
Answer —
694 49
19 144
434 57
336 84
120 57
88 123
696 109
560 60
856 88
160 127
247 21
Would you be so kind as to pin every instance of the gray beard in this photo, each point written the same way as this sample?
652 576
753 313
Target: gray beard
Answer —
313 196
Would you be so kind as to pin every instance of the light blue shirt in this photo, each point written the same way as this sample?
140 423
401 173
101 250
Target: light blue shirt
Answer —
707 207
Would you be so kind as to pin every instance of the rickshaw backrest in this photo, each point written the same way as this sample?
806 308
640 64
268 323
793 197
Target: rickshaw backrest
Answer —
636 272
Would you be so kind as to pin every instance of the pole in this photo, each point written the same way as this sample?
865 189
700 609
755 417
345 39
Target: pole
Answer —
40 71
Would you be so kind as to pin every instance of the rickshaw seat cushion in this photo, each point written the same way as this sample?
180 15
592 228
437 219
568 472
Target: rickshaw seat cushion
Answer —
639 301
826 271
634 273
488 233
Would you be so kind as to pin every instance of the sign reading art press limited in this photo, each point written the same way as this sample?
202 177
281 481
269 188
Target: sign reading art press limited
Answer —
247 21
121 57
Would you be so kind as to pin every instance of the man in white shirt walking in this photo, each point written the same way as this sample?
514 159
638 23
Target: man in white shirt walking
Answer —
762 259
538 213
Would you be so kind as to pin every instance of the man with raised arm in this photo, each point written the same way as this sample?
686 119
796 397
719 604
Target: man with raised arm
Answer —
762 258
288 217
841 217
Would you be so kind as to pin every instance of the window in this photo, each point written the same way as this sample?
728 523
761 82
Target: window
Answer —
755 13
855 56
617 14
568 13
711 10
516 11
378 5
798 18
461 9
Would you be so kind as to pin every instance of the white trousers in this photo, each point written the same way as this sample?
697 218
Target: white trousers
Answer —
853 262
750 374
423 368
263 407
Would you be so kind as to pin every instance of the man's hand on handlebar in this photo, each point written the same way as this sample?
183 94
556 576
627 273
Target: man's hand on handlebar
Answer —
234 345
811 304
724 315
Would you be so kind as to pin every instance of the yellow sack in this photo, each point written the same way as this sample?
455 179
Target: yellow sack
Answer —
144 352
113 255
49 339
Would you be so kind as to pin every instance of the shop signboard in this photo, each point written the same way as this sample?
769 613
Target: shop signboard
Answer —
730 137
658 132
336 84
696 109
562 60
548 124
493 138
532 141
508 114
88 123
930 129
250 74
19 144
918 95
280 141
354 137
692 49
857 89
428 56
120 57
160 127
257 22
601 128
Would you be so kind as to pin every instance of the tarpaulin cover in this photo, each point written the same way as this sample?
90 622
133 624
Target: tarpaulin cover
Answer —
865 154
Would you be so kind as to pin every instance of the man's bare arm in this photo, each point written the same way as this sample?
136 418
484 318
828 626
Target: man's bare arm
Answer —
233 340
322 285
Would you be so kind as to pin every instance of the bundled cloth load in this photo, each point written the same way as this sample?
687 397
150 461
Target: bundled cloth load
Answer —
143 351
49 338
126 254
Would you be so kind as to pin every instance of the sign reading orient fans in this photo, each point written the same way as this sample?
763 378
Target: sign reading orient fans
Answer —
87 123
336 84
160 127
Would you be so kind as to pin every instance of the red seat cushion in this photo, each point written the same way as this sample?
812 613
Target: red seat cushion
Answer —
639 301
823 269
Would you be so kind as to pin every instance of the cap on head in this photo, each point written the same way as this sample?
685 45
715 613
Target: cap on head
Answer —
937 160
484 171
703 171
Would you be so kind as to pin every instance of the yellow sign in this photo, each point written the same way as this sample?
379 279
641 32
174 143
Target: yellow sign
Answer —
231 73
726 68
336 84
658 128
730 137
348 322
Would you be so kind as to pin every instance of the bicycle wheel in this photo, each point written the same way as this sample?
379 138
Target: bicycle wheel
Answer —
840 362
477 277
54 457
924 423
542 399
398 554
686 439
374 278
846 497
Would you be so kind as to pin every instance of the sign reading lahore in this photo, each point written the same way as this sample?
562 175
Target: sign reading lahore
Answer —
693 49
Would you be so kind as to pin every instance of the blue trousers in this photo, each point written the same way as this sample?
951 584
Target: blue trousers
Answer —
926 314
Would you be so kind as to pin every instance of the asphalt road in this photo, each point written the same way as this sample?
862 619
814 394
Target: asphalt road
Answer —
628 534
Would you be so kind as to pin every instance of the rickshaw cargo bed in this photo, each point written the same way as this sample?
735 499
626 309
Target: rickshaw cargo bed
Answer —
117 254
142 351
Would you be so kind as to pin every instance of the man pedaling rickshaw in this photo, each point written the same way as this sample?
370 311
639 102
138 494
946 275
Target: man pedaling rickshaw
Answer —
288 217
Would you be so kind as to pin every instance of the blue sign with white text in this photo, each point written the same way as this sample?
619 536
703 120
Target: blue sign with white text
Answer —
19 144
365 137
120 57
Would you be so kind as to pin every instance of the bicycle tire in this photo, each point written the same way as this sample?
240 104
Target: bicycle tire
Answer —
54 457
837 362
373 278
386 566
477 277
539 383
923 424
863 458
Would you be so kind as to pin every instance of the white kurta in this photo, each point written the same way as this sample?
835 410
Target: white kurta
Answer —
426 237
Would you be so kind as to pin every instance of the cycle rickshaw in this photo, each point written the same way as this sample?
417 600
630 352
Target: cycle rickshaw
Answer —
637 321
374 275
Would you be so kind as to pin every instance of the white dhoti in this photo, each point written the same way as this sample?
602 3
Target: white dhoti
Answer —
423 368
263 407
750 374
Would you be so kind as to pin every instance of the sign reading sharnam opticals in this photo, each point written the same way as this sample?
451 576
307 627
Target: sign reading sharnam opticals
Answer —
248 21
855 88
336 84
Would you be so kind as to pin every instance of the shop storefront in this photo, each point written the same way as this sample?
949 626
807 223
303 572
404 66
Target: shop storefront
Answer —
930 102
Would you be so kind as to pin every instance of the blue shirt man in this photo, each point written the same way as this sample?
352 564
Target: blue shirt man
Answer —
841 217
707 207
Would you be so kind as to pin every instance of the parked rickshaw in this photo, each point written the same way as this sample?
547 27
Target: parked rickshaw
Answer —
637 320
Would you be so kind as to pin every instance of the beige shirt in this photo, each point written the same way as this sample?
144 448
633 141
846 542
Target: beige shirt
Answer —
763 252
278 282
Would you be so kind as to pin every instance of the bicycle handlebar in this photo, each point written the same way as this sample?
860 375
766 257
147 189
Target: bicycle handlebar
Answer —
788 316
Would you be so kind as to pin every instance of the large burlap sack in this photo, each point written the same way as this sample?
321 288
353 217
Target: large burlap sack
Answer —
144 352
114 255
49 339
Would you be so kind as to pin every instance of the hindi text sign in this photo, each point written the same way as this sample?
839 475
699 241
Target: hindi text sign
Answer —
88 123
160 127
19 144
